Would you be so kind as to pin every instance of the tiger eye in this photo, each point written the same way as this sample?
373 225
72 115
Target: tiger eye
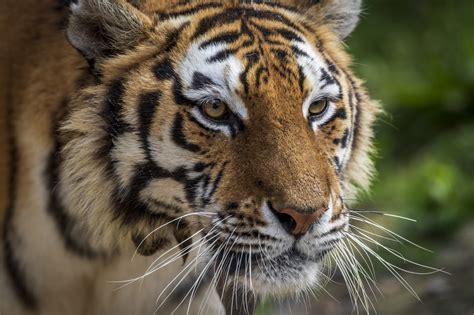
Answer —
317 108
215 110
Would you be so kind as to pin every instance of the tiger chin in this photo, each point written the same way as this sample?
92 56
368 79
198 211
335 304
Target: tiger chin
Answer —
217 143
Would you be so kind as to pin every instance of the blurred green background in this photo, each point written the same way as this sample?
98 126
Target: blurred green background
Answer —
417 57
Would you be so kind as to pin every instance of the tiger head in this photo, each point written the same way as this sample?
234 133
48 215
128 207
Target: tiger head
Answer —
238 122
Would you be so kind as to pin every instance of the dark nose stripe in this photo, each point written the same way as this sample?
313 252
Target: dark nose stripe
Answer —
302 220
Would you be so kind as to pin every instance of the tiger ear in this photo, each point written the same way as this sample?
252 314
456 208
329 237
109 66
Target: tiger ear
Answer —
102 28
340 15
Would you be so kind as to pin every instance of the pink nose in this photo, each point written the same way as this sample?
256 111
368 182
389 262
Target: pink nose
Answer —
301 221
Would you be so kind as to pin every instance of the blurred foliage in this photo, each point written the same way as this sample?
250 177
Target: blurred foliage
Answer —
417 57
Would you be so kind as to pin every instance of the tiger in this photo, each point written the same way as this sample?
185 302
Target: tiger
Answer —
176 157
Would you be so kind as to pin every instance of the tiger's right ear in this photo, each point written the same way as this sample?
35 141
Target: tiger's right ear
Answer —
102 28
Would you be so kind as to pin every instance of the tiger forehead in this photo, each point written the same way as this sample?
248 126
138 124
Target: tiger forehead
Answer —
249 31
243 48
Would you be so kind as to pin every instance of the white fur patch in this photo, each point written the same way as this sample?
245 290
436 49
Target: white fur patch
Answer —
127 154
312 65
167 154
224 75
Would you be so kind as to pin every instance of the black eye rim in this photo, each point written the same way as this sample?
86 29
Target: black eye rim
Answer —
225 118
232 121
324 111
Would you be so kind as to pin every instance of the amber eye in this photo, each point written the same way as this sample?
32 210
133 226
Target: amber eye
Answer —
216 110
317 108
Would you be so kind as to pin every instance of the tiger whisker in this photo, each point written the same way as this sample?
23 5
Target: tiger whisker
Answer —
176 255
188 269
149 271
366 259
186 250
168 223
209 264
234 292
386 264
400 256
369 278
352 278
372 223
228 269
216 274
355 211
216 239
391 238
357 272
194 288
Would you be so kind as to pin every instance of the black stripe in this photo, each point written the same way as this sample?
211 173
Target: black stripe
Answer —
261 74
331 66
338 164
334 229
16 275
272 4
148 245
285 72
299 52
279 53
355 106
252 58
194 10
289 35
172 38
128 205
178 136
232 205
344 138
179 97
339 114
301 78
222 55
231 15
227 38
201 81
111 114
356 130
146 111
164 70
200 166
217 180
113 126
204 183
266 32
167 206
326 78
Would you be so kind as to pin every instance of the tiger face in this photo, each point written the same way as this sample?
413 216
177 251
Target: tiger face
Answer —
235 121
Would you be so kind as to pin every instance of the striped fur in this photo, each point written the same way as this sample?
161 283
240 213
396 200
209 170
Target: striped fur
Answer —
109 146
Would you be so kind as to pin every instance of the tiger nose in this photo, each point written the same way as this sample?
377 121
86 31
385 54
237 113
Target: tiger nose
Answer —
298 222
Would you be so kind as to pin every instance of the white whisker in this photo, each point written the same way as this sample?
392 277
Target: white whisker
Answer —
168 223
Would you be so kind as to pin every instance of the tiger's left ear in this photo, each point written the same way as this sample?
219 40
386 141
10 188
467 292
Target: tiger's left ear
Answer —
99 29
340 15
